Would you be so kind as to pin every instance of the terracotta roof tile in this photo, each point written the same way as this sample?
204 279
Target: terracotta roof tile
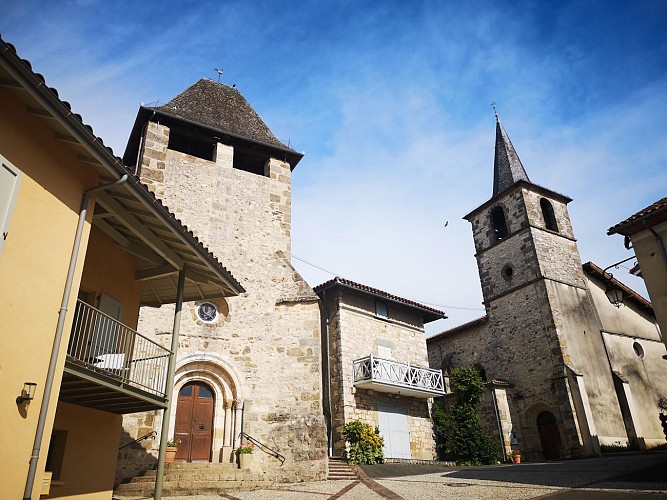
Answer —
380 293
655 213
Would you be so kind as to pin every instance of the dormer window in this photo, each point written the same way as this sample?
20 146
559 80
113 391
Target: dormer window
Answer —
381 309
548 215
498 223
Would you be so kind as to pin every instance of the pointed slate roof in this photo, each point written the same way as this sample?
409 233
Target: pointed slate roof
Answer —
220 107
507 167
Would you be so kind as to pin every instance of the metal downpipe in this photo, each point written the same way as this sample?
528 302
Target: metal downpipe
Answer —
48 386
166 414
328 360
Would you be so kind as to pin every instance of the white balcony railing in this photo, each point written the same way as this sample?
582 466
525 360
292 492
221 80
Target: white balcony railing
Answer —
391 376
104 345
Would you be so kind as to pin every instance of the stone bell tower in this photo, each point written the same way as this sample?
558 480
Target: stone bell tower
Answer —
248 364
533 287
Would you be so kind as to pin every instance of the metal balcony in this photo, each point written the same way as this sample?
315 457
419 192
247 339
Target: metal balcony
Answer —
384 375
111 367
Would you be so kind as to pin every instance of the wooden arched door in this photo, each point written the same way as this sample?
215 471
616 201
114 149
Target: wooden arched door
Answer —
194 422
549 435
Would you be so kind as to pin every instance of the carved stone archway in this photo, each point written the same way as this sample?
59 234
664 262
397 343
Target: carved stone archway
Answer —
226 385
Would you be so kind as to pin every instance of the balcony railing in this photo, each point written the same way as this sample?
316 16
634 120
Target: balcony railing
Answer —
385 375
106 346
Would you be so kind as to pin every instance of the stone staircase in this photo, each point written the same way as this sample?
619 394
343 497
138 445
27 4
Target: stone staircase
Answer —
339 469
194 479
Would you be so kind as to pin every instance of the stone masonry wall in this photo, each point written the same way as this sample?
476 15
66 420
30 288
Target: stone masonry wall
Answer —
359 333
265 344
519 344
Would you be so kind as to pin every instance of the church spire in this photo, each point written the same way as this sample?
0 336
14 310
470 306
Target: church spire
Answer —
507 167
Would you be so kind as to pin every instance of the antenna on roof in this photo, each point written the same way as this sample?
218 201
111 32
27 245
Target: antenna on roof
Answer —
219 72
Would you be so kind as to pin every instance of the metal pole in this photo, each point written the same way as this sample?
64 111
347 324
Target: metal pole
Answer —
166 414
55 350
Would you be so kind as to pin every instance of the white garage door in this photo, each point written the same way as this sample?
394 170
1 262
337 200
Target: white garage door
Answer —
395 430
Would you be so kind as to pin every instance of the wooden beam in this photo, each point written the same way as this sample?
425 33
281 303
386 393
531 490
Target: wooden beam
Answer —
155 272
139 229
146 253
66 138
196 277
88 159
12 84
42 113
112 233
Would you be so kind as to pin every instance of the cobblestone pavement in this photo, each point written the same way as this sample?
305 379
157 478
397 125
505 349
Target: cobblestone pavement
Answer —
608 478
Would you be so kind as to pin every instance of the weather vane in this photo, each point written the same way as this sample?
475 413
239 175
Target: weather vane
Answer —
493 105
219 72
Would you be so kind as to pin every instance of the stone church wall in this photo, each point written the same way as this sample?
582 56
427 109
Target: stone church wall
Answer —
265 344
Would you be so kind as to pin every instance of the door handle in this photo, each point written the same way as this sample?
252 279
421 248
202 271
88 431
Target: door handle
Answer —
201 426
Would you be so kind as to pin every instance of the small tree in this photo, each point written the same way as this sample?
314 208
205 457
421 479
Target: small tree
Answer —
459 433
365 443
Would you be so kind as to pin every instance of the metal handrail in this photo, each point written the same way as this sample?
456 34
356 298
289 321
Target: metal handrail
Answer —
399 374
263 447
142 438
104 345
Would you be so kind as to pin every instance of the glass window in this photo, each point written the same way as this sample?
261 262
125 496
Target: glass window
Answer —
185 391
205 392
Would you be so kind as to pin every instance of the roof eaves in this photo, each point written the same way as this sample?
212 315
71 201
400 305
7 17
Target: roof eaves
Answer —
47 97
338 281
521 183
281 147
608 278
657 210
459 329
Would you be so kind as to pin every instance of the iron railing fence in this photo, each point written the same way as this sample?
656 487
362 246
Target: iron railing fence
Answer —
385 371
105 345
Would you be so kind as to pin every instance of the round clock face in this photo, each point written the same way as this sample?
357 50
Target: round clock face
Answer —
207 312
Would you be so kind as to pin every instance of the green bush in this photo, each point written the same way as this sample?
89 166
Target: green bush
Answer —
459 433
365 443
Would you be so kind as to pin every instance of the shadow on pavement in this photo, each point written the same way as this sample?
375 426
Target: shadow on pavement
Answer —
646 472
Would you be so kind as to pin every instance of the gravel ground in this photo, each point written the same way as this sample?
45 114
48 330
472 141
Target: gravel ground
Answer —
609 478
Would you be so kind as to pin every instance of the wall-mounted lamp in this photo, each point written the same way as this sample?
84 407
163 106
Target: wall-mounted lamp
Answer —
27 393
614 295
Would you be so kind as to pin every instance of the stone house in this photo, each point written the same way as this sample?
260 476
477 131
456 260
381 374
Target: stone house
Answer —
248 364
646 232
376 367
567 370
82 238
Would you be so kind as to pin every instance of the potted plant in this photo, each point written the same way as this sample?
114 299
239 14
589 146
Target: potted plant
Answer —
244 453
515 455
172 448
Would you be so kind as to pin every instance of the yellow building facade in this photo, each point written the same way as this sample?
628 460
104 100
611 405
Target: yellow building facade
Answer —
84 246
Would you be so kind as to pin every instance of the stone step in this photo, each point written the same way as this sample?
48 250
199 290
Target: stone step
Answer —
177 485
340 470
179 468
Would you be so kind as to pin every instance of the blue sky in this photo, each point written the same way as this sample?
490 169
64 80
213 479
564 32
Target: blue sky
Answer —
390 102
